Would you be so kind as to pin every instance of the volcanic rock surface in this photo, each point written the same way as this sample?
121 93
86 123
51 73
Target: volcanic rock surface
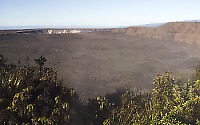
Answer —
102 61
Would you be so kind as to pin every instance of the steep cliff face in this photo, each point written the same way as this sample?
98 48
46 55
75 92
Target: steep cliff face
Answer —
184 32
188 32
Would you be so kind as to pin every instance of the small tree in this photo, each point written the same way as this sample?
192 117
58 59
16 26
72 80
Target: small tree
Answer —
132 104
173 102
99 109
33 95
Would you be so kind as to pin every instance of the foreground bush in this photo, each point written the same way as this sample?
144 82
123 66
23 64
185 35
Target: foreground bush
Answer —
33 95
174 102
171 102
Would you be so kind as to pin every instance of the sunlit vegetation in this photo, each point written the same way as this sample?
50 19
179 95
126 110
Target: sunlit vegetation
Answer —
34 95
171 102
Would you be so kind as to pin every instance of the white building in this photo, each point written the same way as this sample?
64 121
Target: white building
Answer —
50 31
75 31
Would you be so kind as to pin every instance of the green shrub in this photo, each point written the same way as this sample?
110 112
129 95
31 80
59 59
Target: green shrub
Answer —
171 102
131 104
33 95
99 108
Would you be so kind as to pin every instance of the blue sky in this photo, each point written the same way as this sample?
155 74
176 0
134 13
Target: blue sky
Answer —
104 13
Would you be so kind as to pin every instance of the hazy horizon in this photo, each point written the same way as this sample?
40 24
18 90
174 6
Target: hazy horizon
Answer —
62 27
38 27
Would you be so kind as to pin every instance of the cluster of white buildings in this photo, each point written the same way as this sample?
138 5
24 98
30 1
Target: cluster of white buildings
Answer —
58 31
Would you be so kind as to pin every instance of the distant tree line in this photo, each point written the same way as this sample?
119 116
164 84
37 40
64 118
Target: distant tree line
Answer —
32 95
